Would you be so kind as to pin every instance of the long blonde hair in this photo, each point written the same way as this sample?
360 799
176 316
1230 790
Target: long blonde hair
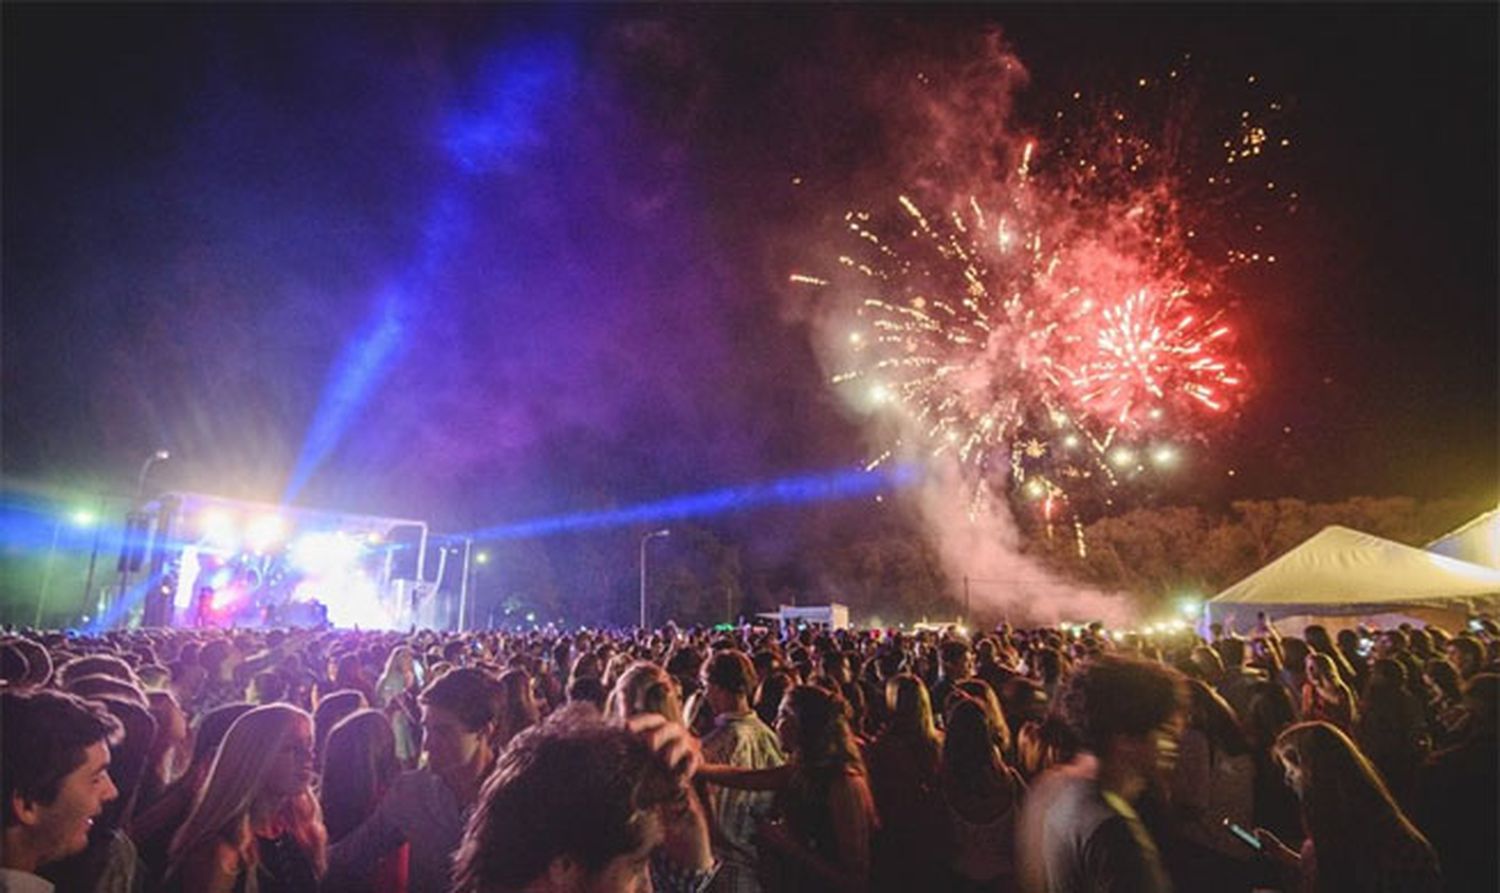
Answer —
643 688
222 808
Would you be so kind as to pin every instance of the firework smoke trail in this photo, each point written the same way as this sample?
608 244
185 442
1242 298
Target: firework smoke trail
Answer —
1036 327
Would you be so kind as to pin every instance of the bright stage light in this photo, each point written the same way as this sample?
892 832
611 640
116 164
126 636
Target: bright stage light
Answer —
83 518
324 553
265 532
1164 456
217 528
482 557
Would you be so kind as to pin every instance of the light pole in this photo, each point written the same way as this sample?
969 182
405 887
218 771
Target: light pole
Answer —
135 507
644 540
81 519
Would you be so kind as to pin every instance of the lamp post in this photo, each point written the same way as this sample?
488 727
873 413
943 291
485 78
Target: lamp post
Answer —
135 507
644 540
81 519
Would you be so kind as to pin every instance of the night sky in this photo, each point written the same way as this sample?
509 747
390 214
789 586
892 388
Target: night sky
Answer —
554 242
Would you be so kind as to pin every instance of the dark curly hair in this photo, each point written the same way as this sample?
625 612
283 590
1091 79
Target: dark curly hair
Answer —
572 787
1110 695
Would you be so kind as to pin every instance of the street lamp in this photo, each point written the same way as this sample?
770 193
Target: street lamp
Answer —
644 540
82 519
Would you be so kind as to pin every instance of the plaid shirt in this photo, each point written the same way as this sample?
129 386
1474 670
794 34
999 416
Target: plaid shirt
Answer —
739 740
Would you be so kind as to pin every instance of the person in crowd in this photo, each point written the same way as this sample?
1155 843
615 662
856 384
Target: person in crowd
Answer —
1443 702
1466 655
979 690
1348 663
739 738
828 814
956 663
1234 685
425 808
169 751
768 695
982 795
1214 780
1391 730
588 690
576 805
1270 712
1080 830
1357 837
54 778
517 710
332 709
395 693
361 766
1325 696
153 827
905 778
1458 793
266 687
256 827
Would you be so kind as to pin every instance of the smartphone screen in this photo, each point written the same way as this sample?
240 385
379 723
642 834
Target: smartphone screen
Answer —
1250 840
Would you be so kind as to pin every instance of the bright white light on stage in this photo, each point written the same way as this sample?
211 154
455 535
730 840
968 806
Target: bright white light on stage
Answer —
217 528
1164 456
265 532
324 553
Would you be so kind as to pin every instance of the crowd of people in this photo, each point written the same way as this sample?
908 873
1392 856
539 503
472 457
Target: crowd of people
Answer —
750 759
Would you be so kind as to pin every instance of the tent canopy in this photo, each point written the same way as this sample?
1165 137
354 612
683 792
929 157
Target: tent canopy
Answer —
1343 571
1478 541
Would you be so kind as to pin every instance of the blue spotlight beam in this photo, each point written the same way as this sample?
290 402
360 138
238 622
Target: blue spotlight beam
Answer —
797 490
484 135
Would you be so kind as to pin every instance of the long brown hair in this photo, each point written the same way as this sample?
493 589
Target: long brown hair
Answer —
1347 809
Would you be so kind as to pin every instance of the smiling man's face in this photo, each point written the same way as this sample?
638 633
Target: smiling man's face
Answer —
62 827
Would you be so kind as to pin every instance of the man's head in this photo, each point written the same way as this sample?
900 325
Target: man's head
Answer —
459 714
54 775
1465 654
957 660
729 679
572 807
1126 710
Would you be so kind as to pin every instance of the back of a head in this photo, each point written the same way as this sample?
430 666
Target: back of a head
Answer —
214 726
1110 695
360 762
15 668
1232 650
572 788
969 752
331 710
95 665
43 737
643 688
99 685
909 706
732 671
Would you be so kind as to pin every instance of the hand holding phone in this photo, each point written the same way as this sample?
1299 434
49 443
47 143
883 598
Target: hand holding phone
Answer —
1246 837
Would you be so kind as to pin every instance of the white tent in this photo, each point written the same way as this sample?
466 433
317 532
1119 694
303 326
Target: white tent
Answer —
1478 541
1342 571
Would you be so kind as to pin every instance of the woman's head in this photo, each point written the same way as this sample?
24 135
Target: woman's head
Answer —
1320 668
980 691
1210 714
267 756
331 710
910 706
814 728
361 763
644 687
518 709
969 752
